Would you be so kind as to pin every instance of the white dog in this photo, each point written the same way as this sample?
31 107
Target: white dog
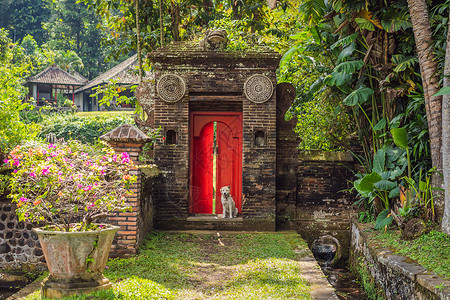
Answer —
228 203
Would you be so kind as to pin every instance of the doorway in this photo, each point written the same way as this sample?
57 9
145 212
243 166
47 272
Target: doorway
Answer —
215 160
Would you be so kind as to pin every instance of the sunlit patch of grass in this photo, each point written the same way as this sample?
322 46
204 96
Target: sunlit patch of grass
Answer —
188 266
431 250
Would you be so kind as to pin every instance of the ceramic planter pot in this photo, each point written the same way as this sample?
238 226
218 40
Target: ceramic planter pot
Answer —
75 260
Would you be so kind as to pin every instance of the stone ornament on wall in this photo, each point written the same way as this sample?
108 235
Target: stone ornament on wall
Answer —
258 88
171 88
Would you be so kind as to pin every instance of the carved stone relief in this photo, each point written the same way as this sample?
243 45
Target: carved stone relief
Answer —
258 88
171 88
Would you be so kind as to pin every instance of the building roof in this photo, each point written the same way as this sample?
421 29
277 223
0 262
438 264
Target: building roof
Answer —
121 72
56 76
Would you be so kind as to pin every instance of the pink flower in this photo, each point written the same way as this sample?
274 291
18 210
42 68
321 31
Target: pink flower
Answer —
88 188
5 161
16 162
32 174
15 171
45 170
23 199
80 185
115 157
125 157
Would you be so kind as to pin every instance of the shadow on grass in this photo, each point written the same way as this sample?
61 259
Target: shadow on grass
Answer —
188 266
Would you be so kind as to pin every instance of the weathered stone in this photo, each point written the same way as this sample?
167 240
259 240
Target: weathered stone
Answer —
413 229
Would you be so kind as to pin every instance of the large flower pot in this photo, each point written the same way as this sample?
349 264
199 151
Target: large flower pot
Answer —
75 261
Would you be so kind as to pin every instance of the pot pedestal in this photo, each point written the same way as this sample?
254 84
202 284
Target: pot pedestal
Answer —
75 260
57 289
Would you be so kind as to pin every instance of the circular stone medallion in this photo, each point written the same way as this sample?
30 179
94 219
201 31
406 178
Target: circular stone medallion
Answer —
171 88
258 88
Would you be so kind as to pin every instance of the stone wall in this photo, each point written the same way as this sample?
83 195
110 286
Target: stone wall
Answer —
19 246
393 276
324 204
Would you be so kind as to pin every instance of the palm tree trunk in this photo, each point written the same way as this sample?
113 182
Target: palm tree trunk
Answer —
446 139
428 69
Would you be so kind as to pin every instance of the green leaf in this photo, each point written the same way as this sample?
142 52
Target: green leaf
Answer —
407 62
344 41
349 67
400 137
316 86
394 192
379 161
337 79
384 219
360 95
380 125
287 56
394 20
385 185
396 172
348 51
365 185
365 24
443 91
423 186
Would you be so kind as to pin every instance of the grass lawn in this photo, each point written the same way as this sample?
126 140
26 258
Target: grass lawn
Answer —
431 250
194 266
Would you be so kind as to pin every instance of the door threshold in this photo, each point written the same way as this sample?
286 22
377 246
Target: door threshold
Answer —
213 218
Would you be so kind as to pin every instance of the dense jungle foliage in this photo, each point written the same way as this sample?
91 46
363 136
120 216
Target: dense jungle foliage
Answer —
353 63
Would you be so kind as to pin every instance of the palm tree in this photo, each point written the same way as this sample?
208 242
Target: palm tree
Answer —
428 69
68 60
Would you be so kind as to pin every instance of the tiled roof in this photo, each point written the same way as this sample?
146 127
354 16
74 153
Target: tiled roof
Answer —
54 75
126 133
123 72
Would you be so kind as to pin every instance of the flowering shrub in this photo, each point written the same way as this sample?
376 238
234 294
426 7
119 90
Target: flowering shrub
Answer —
64 186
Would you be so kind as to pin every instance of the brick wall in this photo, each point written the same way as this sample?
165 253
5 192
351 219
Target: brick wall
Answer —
324 207
215 82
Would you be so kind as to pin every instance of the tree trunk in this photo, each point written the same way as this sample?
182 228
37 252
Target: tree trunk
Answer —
428 69
175 16
446 139
138 38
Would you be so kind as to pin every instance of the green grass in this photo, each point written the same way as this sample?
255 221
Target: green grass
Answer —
188 266
431 250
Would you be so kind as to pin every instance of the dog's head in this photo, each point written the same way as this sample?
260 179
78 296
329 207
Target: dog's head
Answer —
225 191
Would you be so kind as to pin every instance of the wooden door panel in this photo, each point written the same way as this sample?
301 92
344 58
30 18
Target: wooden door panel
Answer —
202 185
228 163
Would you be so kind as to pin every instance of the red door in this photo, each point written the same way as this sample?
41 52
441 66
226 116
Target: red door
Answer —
228 171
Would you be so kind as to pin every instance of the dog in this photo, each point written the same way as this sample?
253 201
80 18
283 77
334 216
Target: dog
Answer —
228 203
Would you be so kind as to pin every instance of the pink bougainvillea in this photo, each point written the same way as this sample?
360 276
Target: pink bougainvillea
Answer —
68 183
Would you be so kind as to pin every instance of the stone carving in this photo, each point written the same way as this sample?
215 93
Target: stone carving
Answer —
214 40
171 88
145 96
258 88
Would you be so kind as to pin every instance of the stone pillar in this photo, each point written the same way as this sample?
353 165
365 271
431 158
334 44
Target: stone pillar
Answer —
127 138
287 159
